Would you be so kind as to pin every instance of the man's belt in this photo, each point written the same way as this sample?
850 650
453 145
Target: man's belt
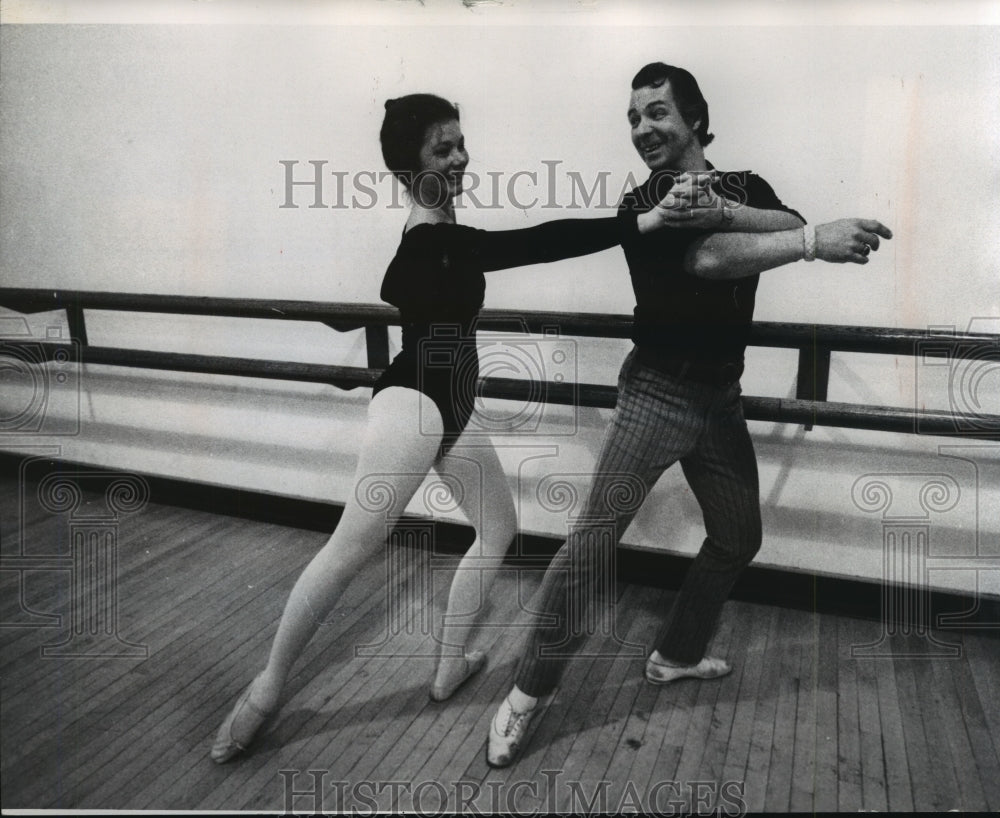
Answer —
716 373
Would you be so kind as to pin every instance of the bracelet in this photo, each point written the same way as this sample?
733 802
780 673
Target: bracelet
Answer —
808 243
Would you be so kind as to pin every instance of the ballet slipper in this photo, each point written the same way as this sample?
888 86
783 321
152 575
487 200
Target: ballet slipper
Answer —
659 673
239 728
473 663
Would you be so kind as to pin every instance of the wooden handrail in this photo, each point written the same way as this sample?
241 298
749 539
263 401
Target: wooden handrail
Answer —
877 340
814 342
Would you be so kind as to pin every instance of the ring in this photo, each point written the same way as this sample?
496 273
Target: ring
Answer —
866 250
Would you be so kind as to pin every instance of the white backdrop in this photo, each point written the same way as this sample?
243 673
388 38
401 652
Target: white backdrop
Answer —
146 157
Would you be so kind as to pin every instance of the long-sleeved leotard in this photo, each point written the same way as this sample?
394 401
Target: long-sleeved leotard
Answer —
436 280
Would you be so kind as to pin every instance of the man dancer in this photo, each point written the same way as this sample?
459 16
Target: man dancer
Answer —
679 393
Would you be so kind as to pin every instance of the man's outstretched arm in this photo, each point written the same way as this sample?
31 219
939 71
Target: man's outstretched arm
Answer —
737 255
754 220
728 217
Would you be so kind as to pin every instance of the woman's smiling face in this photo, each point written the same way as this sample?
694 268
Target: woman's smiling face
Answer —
443 160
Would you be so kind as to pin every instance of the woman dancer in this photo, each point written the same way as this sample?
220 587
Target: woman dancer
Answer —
419 410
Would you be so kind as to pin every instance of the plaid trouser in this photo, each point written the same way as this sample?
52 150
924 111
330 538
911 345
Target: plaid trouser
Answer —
658 420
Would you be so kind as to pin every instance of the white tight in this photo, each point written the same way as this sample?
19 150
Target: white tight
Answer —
400 444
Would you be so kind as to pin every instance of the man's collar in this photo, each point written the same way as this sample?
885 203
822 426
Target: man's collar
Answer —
674 173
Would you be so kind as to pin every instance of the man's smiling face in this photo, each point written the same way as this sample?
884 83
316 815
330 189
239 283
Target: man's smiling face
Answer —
660 134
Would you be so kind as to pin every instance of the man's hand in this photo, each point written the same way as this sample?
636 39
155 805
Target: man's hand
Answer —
849 240
722 255
692 204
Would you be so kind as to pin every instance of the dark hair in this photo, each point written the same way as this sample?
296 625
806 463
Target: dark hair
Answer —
404 129
687 94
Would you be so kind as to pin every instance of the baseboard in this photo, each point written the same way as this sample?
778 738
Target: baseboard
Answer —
948 611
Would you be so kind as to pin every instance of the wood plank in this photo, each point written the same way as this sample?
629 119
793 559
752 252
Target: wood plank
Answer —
982 655
873 766
379 685
969 794
734 771
134 598
701 777
558 728
803 783
368 761
325 654
467 716
813 764
866 733
551 732
762 735
192 726
661 711
326 679
779 771
942 781
602 721
683 761
827 661
129 685
632 737
126 674
404 702
467 767
982 741
197 677
899 795
79 696
923 771
849 787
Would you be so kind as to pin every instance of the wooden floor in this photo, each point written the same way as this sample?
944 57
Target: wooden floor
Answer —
803 723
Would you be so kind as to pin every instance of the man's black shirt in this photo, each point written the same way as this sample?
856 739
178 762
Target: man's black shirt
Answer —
678 314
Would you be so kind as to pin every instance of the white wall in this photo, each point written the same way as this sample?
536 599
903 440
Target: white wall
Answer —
145 158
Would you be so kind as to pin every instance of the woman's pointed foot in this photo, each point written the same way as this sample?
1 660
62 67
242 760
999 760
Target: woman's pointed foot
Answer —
239 728
446 684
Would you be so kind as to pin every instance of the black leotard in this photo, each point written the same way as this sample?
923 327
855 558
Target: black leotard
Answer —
436 280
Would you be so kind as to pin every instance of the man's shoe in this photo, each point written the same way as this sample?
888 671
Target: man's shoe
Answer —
507 730
658 673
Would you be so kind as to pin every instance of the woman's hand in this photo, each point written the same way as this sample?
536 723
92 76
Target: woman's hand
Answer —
691 203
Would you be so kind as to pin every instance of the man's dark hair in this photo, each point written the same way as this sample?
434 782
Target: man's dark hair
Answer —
687 94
